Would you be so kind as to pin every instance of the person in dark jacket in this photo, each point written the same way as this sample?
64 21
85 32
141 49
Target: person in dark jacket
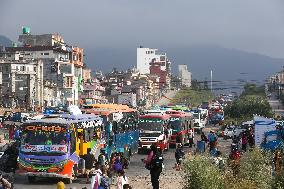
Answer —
155 171
203 137
89 163
179 154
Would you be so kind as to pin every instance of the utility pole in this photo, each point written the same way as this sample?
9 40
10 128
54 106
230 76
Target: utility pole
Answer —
211 75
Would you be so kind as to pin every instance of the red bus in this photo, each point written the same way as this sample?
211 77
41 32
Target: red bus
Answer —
181 125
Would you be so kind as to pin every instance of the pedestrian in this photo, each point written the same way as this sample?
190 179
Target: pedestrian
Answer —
102 158
126 156
244 142
60 185
121 180
212 138
191 137
179 155
89 163
105 180
154 163
203 137
118 164
96 177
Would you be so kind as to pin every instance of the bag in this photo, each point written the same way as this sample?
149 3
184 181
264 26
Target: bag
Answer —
104 184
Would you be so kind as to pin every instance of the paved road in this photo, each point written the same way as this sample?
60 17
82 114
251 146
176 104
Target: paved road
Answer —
139 177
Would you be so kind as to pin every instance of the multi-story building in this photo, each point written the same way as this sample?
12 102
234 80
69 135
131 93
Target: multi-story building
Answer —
62 65
146 55
184 75
21 81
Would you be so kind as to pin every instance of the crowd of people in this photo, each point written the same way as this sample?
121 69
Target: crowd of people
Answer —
106 171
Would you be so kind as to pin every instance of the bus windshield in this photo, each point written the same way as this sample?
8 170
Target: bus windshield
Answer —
43 138
176 125
150 125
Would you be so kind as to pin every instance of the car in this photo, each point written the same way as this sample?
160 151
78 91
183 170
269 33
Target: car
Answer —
229 132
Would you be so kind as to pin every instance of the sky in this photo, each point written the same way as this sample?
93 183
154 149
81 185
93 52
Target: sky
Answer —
249 25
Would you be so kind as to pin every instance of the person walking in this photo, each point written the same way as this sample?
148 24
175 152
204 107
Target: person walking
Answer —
244 142
179 155
96 177
154 163
89 163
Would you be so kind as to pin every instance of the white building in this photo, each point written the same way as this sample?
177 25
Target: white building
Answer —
184 75
146 55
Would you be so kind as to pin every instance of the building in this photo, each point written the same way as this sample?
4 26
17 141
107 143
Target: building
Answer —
62 65
184 75
146 55
21 82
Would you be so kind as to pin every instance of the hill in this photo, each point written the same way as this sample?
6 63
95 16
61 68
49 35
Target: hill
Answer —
4 41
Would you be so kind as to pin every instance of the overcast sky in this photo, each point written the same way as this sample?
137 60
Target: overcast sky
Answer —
251 25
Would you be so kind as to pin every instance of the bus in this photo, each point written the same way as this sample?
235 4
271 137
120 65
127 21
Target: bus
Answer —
181 125
154 129
52 147
121 126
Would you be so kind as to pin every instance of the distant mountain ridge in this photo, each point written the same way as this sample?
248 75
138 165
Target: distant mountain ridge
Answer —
226 64
5 41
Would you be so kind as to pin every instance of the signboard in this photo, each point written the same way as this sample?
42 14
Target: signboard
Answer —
262 125
43 148
44 128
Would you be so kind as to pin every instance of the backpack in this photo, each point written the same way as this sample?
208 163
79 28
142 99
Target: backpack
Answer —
157 161
104 184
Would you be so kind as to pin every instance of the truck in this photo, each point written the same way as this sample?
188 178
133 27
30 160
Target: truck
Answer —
199 122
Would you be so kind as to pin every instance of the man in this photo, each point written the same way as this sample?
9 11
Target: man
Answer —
154 163
89 162
179 155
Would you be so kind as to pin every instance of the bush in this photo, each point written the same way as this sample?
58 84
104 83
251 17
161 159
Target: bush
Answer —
256 168
200 173
255 173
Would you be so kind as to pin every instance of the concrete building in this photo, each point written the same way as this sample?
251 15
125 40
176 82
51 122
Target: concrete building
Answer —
184 75
62 66
21 82
146 55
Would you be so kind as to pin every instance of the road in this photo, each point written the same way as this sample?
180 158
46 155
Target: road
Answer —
138 176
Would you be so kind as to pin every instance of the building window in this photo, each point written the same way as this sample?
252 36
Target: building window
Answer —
45 53
9 55
22 68
0 68
34 69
